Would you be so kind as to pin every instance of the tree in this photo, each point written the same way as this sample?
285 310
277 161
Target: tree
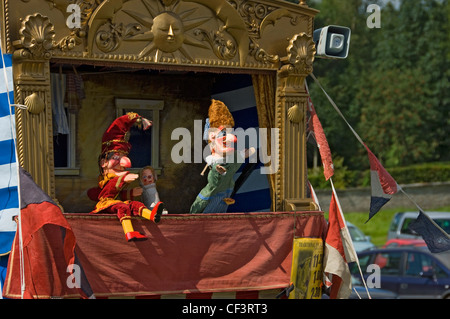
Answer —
396 116
409 85
393 88
338 77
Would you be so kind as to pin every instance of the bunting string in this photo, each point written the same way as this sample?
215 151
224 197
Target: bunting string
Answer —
384 186
354 132
337 109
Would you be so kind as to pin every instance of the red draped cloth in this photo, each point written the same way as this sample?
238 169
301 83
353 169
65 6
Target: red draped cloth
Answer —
191 253
195 255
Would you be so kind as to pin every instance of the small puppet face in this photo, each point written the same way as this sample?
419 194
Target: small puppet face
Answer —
223 143
115 162
147 177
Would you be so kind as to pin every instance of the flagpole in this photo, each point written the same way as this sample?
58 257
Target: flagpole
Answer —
356 293
19 222
348 236
332 185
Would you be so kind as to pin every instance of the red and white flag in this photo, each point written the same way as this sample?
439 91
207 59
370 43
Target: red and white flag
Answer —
339 251
314 196
324 149
383 186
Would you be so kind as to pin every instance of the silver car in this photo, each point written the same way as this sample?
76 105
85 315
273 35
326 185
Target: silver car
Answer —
399 227
361 242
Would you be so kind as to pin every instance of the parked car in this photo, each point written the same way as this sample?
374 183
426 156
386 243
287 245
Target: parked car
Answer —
360 292
361 242
404 242
408 271
399 227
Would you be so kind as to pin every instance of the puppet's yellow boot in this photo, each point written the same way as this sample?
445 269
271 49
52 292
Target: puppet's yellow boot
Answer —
130 234
154 214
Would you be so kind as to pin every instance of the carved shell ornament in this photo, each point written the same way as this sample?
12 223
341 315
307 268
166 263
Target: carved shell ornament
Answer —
295 114
34 103
301 52
37 35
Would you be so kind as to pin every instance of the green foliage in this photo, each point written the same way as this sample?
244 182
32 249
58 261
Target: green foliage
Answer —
393 88
421 173
342 178
395 117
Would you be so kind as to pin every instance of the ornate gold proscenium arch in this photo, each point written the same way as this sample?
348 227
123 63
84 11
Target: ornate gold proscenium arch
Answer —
256 37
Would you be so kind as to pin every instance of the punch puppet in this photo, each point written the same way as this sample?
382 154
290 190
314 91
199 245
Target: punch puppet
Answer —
114 178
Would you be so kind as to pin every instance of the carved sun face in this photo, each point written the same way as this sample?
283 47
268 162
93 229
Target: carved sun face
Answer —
166 31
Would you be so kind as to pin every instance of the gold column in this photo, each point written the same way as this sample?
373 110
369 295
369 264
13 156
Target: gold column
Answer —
32 88
291 105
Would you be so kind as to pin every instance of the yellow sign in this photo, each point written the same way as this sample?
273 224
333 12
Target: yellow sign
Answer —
306 273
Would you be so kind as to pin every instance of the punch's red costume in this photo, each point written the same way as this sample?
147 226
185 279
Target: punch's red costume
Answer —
111 188
114 179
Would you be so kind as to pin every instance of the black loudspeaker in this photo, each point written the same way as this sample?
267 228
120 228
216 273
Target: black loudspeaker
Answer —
332 42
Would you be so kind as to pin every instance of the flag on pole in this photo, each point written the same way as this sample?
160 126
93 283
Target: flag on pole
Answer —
339 251
435 237
383 186
49 266
9 203
314 196
324 149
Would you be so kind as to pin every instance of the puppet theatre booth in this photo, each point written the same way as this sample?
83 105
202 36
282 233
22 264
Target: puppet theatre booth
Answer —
80 65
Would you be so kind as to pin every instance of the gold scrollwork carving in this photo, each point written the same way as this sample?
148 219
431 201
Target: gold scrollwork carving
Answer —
77 35
260 54
110 39
275 15
223 48
257 16
69 42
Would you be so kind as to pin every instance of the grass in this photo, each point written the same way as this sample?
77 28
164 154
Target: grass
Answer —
377 227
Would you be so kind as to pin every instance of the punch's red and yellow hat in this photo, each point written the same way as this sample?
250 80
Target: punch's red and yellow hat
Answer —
115 139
